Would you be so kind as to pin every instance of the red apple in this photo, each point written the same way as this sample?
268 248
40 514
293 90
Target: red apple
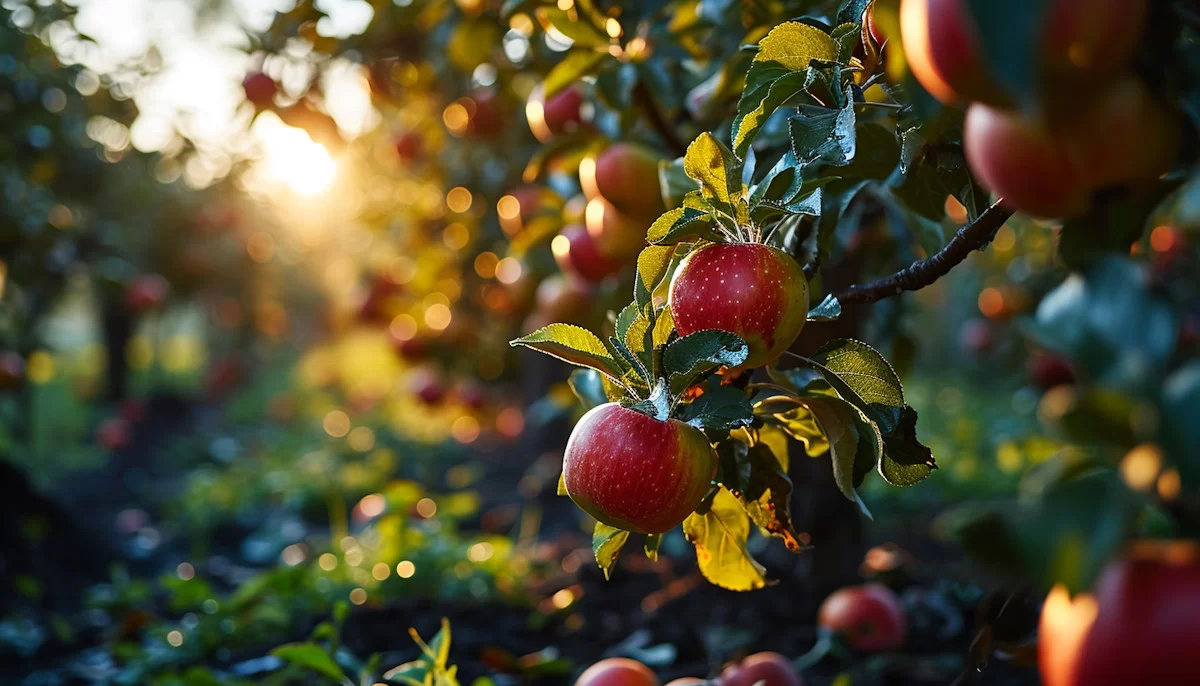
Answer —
869 617
1138 627
428 388
522 204
224 377
146 292
616 233
752 290
560 114
113 433
626 175
765 669
1047 371
1079 41
562 298
410 146
617 671
12 370
577 253
259 88
374 305
489 117
1018 159
631 471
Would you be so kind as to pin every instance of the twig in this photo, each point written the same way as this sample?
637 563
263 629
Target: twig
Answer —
884 105
971 237
676 144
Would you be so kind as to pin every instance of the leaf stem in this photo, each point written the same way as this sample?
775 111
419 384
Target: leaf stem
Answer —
971 237
675 144
884 105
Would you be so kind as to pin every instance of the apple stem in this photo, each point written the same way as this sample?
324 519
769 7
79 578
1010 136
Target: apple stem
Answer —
974 235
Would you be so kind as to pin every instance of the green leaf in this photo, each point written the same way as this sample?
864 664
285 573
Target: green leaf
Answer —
689 358
767 493
573 344
576 65
837 419
1065 535
824 135
680 223
1181 421
574 26
864 378
719 536
606 545
312 657
768 87
795 420
562 485
829 310
719 410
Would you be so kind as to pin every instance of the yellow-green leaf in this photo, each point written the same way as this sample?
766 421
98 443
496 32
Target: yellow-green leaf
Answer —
573 344
719 536
706 163
794 45
606 544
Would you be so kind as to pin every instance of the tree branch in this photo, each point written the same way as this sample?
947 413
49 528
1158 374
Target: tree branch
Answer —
971 237
676 144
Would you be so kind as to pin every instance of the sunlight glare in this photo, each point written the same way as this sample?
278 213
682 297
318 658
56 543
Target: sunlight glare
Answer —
292 158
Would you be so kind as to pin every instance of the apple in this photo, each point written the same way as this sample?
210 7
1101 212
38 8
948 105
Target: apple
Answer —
561 298
12 370
749 289
113 433
374 305
1047 371
489 117
869 617
1018 159
1138 626
560 114
146 292
617 671
1079 42
634 472
522 204
410 146
260 89
428 388
765 669
626 175
224 376
615 233
577 253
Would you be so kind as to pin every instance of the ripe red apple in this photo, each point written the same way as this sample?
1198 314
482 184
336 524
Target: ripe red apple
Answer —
1138 627
617 671
626 175
560 114
410 146
12 370
146 292
259 88
412 349
869 617
752 290
522 204
1104 158
616 233
577 253
766 669
428 388
1047 371
561 298
1079 41
1018 159
631 471
374 305
489 117
113 433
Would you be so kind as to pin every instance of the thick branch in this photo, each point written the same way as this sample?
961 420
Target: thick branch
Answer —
971 237
676 144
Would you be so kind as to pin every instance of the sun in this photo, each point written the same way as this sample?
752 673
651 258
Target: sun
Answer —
292 158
